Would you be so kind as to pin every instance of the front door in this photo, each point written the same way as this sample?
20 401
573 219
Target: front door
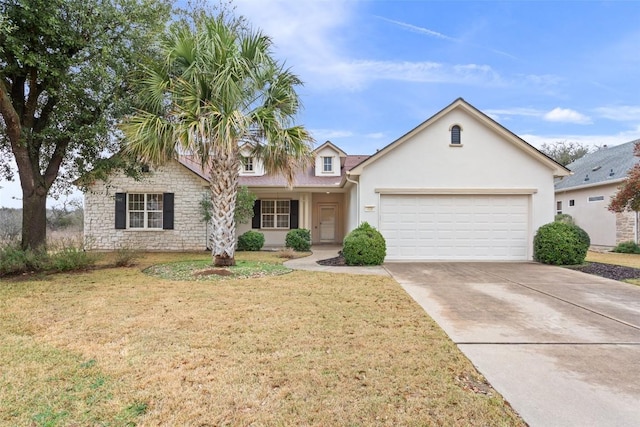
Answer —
327 223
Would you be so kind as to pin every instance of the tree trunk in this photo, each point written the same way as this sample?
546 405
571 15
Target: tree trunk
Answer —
224 189
34 219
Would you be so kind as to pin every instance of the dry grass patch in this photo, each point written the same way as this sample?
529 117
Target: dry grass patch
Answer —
116 346
627 260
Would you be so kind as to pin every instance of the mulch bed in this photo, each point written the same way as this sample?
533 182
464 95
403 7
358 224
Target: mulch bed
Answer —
609 271
333 262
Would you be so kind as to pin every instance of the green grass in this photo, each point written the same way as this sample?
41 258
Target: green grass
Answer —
203 270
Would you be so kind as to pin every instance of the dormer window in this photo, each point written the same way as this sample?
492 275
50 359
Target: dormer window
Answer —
327 164
247 164
455 135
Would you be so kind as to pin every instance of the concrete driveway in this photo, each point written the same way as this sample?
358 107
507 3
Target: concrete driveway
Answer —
563 347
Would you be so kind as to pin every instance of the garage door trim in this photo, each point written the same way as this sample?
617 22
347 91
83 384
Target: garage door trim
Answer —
460 191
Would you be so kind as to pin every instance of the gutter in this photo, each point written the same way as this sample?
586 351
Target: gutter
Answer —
357 196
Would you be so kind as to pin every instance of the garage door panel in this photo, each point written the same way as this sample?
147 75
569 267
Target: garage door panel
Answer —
455 227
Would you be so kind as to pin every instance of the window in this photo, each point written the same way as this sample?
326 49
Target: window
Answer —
596 198
327 164
455 135
559 207
138 211
247 164
572 202
275 213
144 210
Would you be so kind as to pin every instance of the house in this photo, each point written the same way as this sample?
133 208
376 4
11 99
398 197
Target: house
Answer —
457 187
585 195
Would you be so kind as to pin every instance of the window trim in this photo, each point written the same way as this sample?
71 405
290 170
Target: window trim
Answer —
559 207
248 164
324 164
572 202
595 199
454 130
275 214
146 211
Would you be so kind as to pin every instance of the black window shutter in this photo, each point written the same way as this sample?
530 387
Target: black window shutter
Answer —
167 211
121 211
255 221
293 214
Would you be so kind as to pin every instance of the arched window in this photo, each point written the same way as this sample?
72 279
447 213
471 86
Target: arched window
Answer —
455 135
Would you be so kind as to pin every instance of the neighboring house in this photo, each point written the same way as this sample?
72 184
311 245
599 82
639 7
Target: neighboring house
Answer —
457 187
585 195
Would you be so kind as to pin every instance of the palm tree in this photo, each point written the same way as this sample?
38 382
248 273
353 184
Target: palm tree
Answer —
219 86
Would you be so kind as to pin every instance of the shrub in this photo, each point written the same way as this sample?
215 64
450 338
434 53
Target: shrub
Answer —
566 218
559 243
298 240
70 259
287 253
250 241
364 246
629 247
126 257
14 260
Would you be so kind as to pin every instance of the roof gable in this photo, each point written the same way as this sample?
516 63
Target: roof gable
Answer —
329 144
558 169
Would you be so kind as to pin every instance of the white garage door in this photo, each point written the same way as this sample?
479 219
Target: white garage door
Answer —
455 227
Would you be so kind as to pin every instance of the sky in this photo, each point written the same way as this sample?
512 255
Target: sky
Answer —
374 69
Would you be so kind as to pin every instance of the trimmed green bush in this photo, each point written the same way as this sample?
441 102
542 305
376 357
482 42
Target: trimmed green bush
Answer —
364 246
559 243
298 239
629 247
250 241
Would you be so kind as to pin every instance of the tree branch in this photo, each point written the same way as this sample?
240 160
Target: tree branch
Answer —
28 116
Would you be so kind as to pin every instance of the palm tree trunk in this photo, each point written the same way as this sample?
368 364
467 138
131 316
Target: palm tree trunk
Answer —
224 189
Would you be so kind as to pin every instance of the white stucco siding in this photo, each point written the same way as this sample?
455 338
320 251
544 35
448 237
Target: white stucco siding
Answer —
593 216
189 231
335 157
484 161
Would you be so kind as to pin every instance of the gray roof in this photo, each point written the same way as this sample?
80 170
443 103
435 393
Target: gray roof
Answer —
607 164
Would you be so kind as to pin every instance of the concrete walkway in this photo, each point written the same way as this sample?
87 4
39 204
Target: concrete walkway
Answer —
321 252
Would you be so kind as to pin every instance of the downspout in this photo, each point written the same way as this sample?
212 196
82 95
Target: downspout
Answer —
357 198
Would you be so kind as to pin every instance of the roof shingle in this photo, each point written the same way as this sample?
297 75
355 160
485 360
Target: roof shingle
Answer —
608 164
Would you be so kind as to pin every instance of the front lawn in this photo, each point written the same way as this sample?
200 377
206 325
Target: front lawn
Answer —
118 347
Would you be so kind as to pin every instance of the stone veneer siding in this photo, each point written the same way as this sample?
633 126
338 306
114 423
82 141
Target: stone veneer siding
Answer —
626 227
189 233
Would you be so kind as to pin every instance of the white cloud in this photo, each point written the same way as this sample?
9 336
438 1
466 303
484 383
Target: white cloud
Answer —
420 30
566 115
355 75
322 135
588 140
309 35
622 113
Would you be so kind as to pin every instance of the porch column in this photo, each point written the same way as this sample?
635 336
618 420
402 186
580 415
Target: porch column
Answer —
305 211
